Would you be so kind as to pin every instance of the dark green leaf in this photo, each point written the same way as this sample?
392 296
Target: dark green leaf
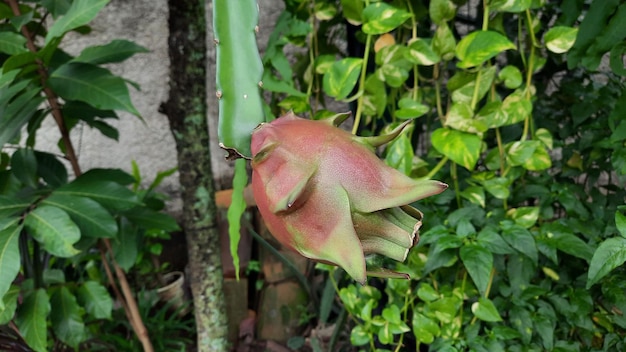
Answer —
8 304
485 310
96 300
126 248
491 240
12 43
461 147
54 229
79 14
620 223
92 219
478 261
31 319
380 17
24 166
9 255
110 194
51 169
66 319
150 219
609 255
93 85
590 28
480 46
522 240
116 51
56 7
340 80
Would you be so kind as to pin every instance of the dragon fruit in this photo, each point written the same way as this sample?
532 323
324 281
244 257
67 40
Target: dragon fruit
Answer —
324 193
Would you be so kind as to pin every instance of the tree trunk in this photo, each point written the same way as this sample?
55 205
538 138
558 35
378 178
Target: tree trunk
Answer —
186 110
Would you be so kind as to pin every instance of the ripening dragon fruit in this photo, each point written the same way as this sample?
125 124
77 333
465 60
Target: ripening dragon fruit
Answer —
324 193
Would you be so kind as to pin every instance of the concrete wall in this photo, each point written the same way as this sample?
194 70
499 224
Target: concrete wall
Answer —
150 144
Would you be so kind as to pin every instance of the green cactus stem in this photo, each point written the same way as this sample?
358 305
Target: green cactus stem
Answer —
239 72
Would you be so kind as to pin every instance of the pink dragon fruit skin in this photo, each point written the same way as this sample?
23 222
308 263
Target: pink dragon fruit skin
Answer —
324 193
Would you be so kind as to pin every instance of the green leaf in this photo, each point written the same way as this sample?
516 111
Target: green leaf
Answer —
358 336
444 43
491 240
24 166
474 194
352 10
421 53
126 248
480 46
478 261
51 169
592 26
380 17
8 304
510 5
150 219
66 319
620 223
9 255
115 51
399 154
560 39
545 137
441 11
461 117
31 319
340 80
573 245
540 160
485 310
93 220
12 43
511 76
609 255
498 187
16 113
54 229
79 14
522 240
96 300
93 85
461 147
617 53
409 109
110 194
463 85
235 211
424 328
525 217
10 206
427 293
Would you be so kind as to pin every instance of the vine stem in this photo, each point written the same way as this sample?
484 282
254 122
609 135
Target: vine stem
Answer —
129 301
529 70
359 104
